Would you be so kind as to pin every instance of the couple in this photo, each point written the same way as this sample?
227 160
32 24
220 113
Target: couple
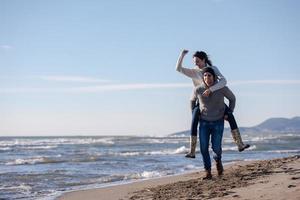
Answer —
208 108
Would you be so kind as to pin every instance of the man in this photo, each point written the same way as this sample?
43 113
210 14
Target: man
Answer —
212 109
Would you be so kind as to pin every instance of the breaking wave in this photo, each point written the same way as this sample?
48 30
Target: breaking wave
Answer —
53 142
32 161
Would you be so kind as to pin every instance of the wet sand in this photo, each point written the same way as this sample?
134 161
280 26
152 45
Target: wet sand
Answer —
267 179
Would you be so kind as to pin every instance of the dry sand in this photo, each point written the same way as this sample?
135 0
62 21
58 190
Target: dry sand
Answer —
268 179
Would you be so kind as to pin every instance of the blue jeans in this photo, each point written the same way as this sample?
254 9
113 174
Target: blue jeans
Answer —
195 120
213 129
231 119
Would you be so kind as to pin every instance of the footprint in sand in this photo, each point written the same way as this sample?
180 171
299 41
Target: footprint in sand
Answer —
295 178
291 186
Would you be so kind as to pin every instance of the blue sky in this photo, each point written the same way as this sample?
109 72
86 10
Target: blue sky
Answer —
108 67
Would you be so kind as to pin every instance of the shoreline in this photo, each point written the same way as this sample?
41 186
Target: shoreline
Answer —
241 179
131 184
136 181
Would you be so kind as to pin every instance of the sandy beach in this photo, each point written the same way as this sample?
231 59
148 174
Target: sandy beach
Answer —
267 179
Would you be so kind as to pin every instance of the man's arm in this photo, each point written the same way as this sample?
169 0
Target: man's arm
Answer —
191 73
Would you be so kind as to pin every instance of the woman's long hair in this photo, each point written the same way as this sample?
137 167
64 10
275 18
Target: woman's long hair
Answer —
202 55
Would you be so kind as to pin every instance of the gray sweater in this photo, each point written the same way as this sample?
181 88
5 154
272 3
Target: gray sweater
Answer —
212 108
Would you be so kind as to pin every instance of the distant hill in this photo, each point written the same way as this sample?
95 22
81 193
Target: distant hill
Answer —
272 125
281 125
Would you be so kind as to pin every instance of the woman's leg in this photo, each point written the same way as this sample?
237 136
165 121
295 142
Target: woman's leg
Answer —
236 135
195 121
230 119
194 127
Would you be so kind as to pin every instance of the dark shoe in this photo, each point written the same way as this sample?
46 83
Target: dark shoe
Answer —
245 146
220 168
208 175
190 155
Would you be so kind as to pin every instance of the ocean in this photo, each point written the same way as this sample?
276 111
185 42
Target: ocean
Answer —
46 167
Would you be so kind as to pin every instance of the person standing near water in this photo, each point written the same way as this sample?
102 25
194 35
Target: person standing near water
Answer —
212 110
201 61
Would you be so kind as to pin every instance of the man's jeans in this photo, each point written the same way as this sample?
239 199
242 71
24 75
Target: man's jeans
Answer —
196 118
213 129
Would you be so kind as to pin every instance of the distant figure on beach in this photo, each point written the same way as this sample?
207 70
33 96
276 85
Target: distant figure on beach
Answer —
201 61
212 110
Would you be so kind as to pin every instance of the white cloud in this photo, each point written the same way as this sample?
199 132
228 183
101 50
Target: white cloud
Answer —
217 1
262 82
6 47
131 87
80 79
136 86
99 88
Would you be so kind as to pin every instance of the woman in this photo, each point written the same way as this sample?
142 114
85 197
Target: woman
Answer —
201 60
212 110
